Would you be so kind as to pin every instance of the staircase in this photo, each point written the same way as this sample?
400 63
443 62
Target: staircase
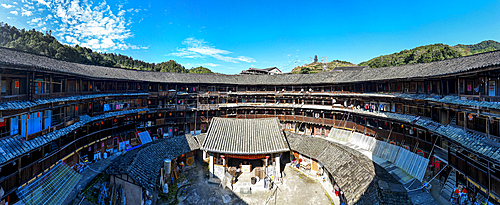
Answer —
449 185
453 121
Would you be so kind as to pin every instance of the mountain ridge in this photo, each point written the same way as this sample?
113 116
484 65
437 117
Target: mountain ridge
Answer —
36 42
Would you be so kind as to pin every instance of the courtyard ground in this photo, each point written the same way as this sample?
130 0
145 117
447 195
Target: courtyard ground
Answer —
295 189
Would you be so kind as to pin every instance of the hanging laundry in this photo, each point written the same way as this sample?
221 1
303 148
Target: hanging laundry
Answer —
476 89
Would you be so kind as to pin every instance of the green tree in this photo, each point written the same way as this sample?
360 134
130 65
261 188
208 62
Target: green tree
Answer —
36 42
422 54
200 70
305 70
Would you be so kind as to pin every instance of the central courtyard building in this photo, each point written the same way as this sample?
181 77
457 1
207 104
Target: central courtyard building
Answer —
245 148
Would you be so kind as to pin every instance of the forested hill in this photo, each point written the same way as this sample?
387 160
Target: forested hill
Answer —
36 42
482 47
430 53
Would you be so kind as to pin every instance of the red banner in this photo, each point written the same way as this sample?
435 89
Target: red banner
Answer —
254 156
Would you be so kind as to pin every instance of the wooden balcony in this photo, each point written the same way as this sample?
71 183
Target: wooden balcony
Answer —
208 106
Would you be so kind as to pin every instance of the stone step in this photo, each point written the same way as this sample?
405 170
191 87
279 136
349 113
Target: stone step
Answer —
449 185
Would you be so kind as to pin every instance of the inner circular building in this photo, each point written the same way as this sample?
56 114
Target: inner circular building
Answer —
411 134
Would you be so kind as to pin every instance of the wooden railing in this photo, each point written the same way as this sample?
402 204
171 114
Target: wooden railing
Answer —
9 98
208 106
38 134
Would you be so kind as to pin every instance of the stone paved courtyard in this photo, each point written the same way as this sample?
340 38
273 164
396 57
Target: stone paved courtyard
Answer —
295 189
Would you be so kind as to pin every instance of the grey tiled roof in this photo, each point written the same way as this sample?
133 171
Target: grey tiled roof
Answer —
11 148
200 138
10 57
122 162
305 145
14 105
353 172
245 136
144 163
192 142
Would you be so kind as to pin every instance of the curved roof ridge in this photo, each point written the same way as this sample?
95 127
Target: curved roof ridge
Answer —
11 58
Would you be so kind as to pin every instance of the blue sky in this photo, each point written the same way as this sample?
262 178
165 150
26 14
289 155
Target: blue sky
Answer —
230 36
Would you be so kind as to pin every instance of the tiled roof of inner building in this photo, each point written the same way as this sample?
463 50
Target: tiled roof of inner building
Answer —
144 164
245 136
352 172
13 58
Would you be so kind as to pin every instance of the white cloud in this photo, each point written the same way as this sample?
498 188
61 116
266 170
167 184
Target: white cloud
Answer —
47 4
7 6
200 49
246 59
137 47
13 12
209 64
29 6
83 22
35 20
71 39
26 12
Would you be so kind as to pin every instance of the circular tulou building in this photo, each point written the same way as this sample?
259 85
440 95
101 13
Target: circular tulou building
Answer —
391 135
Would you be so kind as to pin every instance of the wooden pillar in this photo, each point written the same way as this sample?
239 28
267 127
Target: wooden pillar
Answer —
1 85
28 89
448 116
488 127
447 88
431 112
465 120
19 178
441 88
65 83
